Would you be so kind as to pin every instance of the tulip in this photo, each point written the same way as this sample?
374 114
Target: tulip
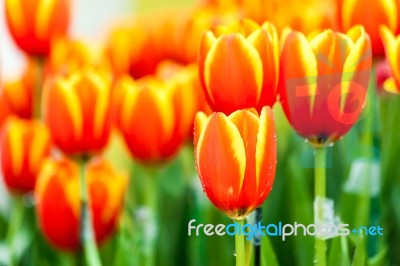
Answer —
392 84
155 116
236 159
167 70
77 110
371 14
238 66
68 56
58 203
35 24
16 97
325 82
24 145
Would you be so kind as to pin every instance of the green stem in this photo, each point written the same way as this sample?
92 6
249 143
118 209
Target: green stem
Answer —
150 201
87 235
320 186
39 81
16 221
239 245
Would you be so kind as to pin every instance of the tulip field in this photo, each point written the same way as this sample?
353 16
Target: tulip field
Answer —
204 133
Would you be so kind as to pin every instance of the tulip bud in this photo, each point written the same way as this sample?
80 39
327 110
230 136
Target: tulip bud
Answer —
24 145
236 159
58 202
324 82
34 24
238 66
77 111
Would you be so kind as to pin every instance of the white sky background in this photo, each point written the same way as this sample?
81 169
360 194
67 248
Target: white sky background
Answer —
90 21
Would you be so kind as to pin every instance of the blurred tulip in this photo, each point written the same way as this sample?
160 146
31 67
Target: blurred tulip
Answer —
371 14
324 82
140 58
68 56
24 146
77 110
239 66
392 50
35 24
167 70
303 15
236 159
58 209
190 25
16 96
383 74
155 116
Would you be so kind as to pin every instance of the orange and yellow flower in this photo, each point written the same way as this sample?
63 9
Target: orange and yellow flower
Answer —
371 14
392 50
78 112
16 96
236 159
324 82
239 66
35 24
68 56
58 203
24 145
155 116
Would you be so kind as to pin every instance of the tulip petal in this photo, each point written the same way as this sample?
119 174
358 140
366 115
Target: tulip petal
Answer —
199 123
233 73
16 147
299 72
68 107
266 43
148 121
390 86
43 15
265 155
247 124
16 16
392 48
206 42
40 146
221 162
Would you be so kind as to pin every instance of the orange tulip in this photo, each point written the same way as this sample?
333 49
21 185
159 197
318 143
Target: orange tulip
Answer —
35 24
392 49
325 82
77 110
371 14
58 202
155 116
16 96
24 145
68 56
236 159
238 66
167 70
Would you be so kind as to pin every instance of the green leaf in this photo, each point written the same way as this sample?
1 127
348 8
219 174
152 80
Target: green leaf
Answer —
268 257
